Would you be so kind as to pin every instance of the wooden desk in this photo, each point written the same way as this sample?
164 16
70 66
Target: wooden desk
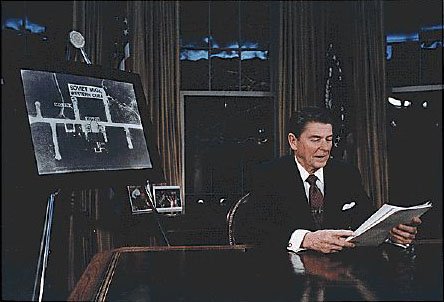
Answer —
240 273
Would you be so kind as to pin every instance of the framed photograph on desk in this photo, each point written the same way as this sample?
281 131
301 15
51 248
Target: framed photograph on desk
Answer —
167 199
139 200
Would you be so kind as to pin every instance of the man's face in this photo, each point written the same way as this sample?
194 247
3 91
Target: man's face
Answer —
312 148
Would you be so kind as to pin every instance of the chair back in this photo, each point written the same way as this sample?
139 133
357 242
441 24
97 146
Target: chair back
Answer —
231 218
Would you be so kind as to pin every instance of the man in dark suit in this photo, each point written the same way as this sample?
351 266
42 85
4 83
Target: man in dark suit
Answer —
288 209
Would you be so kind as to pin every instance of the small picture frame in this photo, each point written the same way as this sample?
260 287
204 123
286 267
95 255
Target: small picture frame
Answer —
139 200
167 199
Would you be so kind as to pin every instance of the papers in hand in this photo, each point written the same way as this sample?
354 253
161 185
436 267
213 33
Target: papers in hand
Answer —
376 228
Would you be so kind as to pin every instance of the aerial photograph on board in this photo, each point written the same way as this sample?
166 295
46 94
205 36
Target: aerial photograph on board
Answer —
80 123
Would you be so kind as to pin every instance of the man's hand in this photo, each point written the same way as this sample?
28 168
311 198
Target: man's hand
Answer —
405 233
327 241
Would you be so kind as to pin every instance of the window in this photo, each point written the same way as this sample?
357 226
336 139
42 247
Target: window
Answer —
414 111
31 28
227 105
414 42
224 45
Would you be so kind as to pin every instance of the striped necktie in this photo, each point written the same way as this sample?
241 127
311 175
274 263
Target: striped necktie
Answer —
316 200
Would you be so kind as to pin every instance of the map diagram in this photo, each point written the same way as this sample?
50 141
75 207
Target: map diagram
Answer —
81 123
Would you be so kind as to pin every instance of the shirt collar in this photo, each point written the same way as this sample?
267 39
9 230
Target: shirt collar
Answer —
304 174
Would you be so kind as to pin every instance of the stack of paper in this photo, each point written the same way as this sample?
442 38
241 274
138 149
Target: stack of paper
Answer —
376 228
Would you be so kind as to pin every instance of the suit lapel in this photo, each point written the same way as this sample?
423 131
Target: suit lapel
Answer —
328 192
333 187
297 197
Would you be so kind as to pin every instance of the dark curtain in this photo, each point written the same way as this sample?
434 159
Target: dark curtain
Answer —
299 59
303 31
365 31
154 43
88 19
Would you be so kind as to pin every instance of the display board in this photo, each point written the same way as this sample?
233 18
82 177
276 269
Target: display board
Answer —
87 122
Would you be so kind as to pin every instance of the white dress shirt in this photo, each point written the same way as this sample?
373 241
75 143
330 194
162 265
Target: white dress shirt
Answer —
294 244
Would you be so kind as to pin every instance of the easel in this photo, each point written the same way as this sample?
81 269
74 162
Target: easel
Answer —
78 42
42 263
39 285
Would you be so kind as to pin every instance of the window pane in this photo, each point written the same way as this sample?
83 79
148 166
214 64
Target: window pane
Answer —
224 24
405 62
187 54
225 137
194 24
224 70
194 74
254 24
13 15
430 60
415 33
410 16
255 71
46 32
431 55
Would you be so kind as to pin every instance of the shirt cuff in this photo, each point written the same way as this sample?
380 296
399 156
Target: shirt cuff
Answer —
295 242
388 240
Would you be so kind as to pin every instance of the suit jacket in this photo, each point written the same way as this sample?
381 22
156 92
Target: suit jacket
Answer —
278 204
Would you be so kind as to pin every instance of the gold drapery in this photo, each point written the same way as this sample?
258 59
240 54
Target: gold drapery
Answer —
88 17
155 57
369 94
299 59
